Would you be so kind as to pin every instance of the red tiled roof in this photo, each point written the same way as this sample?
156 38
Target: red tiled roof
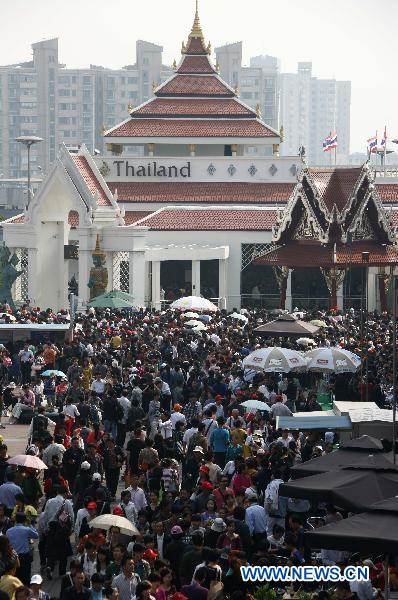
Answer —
211 220
195 64
224 128
388 192
184 107
307 254
132 216
90 179
195 45
73 218
209 193
335 185
195 85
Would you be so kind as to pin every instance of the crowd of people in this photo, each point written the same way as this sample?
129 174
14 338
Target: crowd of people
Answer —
143 419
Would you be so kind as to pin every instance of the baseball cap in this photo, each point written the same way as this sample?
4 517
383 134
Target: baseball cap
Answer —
206 485
150 554
96 476
204 469
177 407
91 506
36 579
85 466
176 530
118 511
251 494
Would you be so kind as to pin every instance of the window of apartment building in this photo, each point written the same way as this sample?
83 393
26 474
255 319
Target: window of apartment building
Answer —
28 105
13 78
235 77
64 120
27 78
86 121
87 94
51 58
123 80
65 133
13 119
246 82
110 82
64 93
64 79
13 106
145 60
132 80
86 108
51 74
28 92
64 106
247 95
12 92
145 76
86 80
74 78
123 94
110 94
235 62
110 109
25 119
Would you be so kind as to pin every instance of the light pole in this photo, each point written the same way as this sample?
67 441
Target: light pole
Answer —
394 363
28 141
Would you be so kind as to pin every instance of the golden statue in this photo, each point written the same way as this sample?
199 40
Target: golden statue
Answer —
129 107
258 111
98 280
281 133
174 65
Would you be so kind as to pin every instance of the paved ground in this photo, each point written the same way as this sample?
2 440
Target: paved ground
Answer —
16 438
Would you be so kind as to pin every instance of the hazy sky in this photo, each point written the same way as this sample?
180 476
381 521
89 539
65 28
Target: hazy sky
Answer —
346 39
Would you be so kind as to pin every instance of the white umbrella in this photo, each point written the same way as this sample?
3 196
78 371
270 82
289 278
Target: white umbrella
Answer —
239 317
107 521
27 460
332 360
196 303
190 315
304 341
193 323
199 328
275 360
255 405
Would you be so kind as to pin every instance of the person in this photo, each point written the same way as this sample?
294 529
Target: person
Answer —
71 460
256 518
88 560
9 491
58 521
9 582
126 582
143 591
97 584
36 593
78 591
115 566
196 589
128 507
166 588
137 494
219 442
191 558
113 461
22 506
173 552
26 358
279 409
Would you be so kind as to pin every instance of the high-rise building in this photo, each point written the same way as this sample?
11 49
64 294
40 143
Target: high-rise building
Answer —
42 97
311 109
258 83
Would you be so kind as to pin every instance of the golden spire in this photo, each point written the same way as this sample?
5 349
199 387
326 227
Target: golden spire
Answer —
154 85
209 48
281 133
174 65
217 67
196 31
129 107
103 129
258 111
236 90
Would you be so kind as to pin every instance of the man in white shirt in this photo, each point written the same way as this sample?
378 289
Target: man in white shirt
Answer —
128 507
55 448
279 409
125 404
26 358
166 427
137 494
177 416
98 385
285 438
189 433
55 505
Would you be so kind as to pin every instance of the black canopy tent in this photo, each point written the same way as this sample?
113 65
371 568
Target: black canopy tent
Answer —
286 326
352 489
335 461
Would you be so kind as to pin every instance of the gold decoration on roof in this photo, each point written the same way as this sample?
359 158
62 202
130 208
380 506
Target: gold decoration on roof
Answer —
183 48
218 67
281 133
154 85
174 65
196 31
236 90
103 129
209 48
258 111
98 251
129 107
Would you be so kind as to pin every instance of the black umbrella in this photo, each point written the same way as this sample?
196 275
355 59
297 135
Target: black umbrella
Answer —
365 442
335 461
374 531
350 488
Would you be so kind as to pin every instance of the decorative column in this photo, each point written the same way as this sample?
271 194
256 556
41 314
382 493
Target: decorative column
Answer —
151 149
192 149
137 277
196 278
85 260
334 278
234 149
222 283
384 284
282 275
33 276
156 284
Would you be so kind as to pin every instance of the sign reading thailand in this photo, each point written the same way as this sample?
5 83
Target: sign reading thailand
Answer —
151 169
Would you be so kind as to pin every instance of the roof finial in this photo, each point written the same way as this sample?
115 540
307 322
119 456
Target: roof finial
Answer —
196 30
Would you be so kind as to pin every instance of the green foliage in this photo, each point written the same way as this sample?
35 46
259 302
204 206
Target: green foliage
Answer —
266 592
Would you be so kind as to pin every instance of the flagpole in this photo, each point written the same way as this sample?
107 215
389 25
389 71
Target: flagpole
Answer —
385 148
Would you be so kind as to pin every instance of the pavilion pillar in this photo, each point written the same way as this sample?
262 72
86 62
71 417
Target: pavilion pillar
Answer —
33 254
85 260
334 278
222 283
384 284
196 278
283 277
137 277
156 284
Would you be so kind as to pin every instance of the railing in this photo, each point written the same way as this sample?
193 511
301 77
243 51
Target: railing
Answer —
388 171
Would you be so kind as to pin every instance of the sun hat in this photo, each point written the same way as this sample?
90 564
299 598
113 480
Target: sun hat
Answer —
218 525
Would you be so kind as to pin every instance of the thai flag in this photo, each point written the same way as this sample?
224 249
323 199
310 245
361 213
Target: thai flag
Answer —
330 142
372 143
384 140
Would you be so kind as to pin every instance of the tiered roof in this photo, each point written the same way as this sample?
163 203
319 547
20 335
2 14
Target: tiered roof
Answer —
194 102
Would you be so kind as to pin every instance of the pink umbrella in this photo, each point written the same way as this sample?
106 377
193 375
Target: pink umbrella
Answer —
27 460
